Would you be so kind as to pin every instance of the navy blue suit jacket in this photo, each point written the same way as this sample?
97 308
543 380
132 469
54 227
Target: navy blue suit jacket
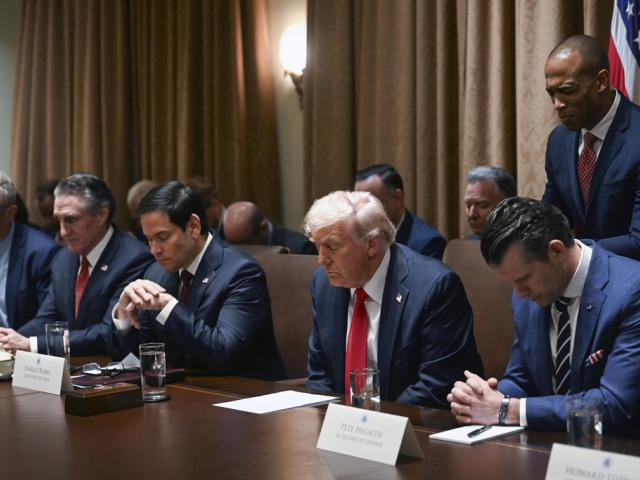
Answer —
296 242
612 213
425 340
28 274
123 260
608 319
225 327
420 236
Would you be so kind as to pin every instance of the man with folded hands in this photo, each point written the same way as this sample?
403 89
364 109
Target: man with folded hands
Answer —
207 301
576 311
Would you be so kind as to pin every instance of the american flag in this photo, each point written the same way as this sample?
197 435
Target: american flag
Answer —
624 48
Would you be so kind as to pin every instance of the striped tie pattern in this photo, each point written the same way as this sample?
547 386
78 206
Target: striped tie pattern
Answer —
563 348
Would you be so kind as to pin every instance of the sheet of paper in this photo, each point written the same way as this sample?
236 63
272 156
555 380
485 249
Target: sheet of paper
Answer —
275 402
131 361
460 434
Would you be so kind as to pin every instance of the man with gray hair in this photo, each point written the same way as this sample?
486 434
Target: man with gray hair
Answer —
25 258
378 304
486 187
88 276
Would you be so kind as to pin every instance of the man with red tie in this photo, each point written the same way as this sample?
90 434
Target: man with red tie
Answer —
88 276
381 305
593 158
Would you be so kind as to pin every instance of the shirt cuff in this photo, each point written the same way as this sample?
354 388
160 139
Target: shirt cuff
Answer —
122 326
523 412
33 341
162 317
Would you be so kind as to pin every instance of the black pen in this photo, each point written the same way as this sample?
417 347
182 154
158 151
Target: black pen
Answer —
478 431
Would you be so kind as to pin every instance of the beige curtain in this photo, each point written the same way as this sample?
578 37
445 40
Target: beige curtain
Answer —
434 87
160 89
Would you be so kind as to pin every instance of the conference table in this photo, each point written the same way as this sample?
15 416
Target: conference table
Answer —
187 436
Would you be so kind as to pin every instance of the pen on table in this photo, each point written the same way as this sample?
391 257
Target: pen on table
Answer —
478 431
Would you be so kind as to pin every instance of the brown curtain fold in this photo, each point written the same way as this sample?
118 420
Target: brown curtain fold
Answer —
160 89
434 87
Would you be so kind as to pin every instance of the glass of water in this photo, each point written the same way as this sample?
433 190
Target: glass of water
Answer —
584 422
365 388
57 337
153 372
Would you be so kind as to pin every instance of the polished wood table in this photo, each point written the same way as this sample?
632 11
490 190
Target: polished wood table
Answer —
187 437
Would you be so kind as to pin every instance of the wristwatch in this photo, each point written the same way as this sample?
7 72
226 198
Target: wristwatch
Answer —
502 413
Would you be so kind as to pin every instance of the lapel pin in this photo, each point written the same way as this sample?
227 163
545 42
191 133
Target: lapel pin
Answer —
589 307
104 268
205 280
399 298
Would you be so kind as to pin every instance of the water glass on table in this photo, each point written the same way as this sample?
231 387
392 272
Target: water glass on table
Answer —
365 388
584 422
153 372
57 337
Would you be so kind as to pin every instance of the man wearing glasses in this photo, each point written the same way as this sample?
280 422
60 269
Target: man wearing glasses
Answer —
207 301
87 276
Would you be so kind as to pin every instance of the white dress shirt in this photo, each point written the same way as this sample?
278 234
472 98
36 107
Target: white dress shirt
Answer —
601 129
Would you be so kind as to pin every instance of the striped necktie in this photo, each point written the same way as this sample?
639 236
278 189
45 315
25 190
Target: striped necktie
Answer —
562 371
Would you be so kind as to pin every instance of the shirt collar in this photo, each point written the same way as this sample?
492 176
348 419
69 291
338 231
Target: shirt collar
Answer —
96 252
576 285
193 266
375 285
601 129
404 215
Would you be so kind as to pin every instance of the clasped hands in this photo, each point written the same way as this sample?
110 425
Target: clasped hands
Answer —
141 295
10 340
476 401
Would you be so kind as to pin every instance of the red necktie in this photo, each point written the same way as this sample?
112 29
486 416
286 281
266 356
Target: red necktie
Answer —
587 164
81 282
356 357
185 280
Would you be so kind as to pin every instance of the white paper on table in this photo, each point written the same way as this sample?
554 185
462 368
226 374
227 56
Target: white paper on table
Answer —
131 361
275 402
460 434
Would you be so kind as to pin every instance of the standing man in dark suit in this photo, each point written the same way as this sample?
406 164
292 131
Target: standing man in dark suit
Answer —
576 311
25 257
386 184
417 327
593 158
207 301
87 276
245 224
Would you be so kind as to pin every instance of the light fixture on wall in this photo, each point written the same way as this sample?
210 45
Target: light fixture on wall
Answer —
293 56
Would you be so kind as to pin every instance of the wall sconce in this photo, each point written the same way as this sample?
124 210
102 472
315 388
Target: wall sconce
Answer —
293 56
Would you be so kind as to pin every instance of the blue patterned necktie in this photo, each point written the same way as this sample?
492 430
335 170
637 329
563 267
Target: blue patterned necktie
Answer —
562 371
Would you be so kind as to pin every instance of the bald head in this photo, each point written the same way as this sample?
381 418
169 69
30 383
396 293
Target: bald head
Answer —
594 56
245 224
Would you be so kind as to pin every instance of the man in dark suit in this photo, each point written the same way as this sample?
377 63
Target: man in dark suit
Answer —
417 328
25 257
386 184
207 301
245 224
87 276
593 158
577 325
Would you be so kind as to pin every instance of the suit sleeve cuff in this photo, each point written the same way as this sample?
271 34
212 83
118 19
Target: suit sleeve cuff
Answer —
162 317
33 344
523 412
122 326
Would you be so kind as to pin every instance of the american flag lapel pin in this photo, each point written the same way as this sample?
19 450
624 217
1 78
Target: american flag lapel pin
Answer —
205 280
595 357
104 268
399 298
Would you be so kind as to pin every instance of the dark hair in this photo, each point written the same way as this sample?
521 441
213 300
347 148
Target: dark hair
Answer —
46 189
203 188
389 175
95 193
504 181
178 201
530 223
594 56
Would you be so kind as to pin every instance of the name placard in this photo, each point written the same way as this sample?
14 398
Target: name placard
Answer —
375 436
43 373
569 463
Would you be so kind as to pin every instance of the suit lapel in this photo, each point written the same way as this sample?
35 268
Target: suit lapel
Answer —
394 300
68 283
541 351
338 334
573 142
16 260
205 274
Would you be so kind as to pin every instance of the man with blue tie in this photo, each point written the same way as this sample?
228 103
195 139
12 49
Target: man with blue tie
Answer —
576 311
379 304
593 158
207 301
87 276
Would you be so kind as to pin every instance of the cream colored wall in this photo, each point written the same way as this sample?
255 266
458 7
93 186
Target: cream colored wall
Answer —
9 19
283 13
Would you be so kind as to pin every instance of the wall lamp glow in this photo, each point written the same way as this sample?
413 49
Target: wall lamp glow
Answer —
293 56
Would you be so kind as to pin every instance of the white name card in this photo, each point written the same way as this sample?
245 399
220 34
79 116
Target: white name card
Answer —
569 463
367 434
43 373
